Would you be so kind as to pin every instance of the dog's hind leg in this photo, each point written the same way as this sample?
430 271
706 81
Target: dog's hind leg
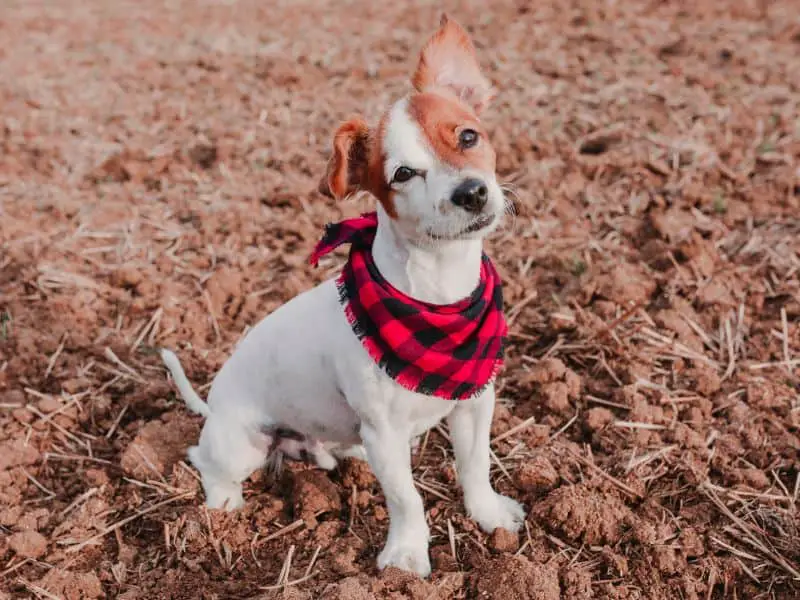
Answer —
228 452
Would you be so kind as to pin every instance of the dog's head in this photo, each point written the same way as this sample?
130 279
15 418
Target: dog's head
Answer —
429 161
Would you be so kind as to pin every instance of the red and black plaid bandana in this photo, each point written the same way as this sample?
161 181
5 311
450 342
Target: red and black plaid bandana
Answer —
450 351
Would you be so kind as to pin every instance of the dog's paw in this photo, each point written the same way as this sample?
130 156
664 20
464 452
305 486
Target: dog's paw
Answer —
324 460
406 556
356 451
226 497
494 510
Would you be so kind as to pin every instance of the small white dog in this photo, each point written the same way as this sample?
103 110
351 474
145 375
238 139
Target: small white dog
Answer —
309 380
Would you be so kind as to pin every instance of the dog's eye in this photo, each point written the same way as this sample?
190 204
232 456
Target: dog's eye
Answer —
403 174
467 138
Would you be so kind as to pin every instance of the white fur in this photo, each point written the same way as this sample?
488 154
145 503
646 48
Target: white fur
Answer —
303 368
193 401
423 203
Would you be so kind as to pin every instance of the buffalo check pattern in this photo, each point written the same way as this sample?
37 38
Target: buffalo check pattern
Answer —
448 351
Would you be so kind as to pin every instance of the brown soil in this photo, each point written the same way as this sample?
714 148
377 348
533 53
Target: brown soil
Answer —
158 172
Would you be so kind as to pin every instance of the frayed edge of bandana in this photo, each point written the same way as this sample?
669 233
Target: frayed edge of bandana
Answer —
344 300
373 353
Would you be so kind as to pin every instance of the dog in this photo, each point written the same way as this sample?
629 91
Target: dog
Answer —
312 380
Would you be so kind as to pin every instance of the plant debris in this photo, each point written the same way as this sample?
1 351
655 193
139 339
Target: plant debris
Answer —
159 164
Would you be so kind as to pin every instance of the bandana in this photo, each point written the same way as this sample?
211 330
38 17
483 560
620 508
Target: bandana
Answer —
450 351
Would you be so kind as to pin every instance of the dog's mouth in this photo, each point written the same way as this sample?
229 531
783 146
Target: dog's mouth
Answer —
481 222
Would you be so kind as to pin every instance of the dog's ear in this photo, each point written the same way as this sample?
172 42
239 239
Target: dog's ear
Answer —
347 168
448 61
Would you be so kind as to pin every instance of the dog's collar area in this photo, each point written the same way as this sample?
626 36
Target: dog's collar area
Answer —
450 351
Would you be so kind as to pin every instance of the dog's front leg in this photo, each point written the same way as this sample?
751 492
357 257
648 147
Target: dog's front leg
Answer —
470 424
389 456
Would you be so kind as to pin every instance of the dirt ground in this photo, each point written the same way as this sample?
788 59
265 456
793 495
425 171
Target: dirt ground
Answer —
158 171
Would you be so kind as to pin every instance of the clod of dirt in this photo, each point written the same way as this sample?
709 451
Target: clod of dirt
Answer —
97 477
548 370
203 154
673 321
91 516
357 473
706 381
15 453
577 584
674 225
159 445
9 516
556 396
344 559
289 593
755 478
626 284
28 544
347 589
23 415
407 584
49 404
536 475
127 276
442 559
581 513
35 519
502 540
114 168
72 585
597 418
503 420
395 579
557 385
12 397
517 578
313 493
688 437
613 562
762 394
326 533
574 384
225 286
64 417
668 560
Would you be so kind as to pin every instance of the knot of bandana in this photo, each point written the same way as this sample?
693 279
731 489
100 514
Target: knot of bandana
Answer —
450 351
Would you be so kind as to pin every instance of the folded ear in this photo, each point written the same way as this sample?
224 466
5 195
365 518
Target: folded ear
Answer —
448 61
347 168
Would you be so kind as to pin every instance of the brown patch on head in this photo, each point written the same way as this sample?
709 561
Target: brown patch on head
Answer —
357 164
448 62
441 120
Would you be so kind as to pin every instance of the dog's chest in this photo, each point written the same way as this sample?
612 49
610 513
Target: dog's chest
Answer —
377 397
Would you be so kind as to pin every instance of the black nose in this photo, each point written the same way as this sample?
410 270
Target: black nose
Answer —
471 195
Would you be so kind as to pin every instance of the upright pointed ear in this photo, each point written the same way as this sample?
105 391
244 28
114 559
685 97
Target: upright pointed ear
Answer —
448 61
347 168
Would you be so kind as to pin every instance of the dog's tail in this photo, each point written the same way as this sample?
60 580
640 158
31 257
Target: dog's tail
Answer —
193 401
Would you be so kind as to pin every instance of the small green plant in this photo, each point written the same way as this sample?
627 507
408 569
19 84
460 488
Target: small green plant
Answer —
720 205
766 147
578 266
5 324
